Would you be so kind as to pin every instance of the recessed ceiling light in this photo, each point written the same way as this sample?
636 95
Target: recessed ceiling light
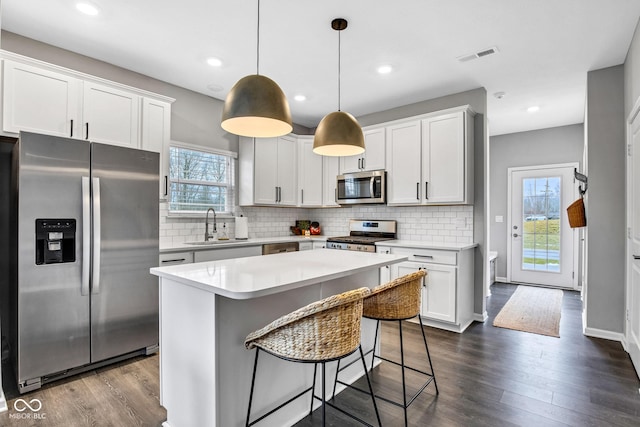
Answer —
500 95
87 9
214 62
300 98
533 109
385 69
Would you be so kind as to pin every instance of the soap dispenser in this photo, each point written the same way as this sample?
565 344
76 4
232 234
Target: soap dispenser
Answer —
224 235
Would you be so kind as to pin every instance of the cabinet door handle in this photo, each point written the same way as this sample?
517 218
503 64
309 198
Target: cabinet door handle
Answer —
636 257
86 125
426 190
363 163
174 260
279 194
302 196
423 256
417 191
359 161
166 185
335 195
71 133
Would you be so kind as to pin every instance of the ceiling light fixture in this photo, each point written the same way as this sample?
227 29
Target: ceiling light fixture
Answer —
256 106
385 69
533 109
87 9
214 62
338 133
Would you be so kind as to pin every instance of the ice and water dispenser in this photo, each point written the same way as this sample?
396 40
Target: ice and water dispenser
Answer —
55 241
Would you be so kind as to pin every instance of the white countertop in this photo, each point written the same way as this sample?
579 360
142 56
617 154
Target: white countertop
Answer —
252 277
427 245
239 243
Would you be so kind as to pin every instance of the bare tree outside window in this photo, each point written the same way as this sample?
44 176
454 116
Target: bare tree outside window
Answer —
199 180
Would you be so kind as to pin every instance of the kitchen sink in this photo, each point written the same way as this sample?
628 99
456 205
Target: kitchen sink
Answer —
213 242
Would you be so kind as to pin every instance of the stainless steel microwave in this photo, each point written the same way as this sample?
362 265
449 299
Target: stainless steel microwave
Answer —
362 187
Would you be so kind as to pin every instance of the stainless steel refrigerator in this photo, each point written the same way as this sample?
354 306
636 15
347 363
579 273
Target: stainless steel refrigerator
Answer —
86 217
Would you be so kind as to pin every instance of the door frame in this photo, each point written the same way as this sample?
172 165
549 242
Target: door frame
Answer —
627 342
510 172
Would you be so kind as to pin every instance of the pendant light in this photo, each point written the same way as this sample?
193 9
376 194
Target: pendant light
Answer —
256 106
338 133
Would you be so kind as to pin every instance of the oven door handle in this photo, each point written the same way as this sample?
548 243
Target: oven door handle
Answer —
372 187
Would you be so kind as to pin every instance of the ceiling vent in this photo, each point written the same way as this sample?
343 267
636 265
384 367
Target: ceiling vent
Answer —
480 54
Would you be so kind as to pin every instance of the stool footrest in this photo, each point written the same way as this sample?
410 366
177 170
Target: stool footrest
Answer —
328 403
280 406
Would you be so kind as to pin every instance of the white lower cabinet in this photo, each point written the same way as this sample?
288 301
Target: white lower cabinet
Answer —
226 253
319 245
305 246
447 291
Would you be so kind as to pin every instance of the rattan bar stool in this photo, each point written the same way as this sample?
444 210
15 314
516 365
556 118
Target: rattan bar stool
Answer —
321 332
398 300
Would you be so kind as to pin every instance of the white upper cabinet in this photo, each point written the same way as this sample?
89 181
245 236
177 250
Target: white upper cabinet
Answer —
110 115
268 171
444 160
44 98
309 174
430 162
403 163
156 134
330 170
373 157
39 100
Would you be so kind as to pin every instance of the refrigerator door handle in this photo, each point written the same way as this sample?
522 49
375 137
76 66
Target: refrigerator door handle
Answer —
86 235
95 282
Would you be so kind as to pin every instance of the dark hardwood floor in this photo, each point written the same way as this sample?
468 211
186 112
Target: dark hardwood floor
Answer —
491 376
487 377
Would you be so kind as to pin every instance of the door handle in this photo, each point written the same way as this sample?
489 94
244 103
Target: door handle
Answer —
86 125
636 257
86 235
515 234
302 197
363 160
71 135
95 282
426 190
417 191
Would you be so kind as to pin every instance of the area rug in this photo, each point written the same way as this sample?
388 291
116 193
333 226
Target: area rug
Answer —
532 309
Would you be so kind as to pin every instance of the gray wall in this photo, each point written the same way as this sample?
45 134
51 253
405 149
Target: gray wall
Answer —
563 144
477 99
605 199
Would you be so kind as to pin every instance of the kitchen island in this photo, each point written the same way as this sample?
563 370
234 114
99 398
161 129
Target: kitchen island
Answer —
206 311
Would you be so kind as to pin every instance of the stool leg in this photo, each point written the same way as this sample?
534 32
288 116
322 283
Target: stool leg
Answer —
404 387
253 382
373 397
323 394
335 381
375 342
313 387
424 338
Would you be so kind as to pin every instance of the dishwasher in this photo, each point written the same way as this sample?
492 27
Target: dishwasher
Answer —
276 248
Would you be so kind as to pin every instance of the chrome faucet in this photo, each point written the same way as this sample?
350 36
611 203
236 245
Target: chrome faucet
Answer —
208 236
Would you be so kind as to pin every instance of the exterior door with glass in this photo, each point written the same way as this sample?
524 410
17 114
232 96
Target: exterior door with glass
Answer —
542 245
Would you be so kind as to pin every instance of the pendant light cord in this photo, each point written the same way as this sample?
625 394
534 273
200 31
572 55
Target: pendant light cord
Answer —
258 43
339 56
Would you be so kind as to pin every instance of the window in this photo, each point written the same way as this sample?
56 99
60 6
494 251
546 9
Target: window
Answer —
200 179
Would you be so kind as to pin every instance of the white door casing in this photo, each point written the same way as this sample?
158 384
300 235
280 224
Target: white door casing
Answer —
632 325
520 269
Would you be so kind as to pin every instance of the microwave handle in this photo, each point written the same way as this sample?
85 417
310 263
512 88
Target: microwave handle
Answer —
372 186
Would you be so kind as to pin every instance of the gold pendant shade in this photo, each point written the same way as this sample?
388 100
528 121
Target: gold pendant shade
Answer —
256 107
338 134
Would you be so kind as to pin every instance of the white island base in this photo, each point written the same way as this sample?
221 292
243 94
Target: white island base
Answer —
207 310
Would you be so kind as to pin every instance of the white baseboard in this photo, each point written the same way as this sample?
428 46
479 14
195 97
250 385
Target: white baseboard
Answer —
480 317
501 279
601 333
3 402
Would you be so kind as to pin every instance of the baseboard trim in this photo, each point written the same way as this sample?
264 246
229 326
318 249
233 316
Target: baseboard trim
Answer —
3 402
501 279
601 333
480 317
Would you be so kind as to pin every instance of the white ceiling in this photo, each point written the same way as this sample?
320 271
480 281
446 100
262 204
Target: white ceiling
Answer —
545 48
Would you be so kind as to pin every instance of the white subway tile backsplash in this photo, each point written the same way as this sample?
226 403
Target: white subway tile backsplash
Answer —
420 223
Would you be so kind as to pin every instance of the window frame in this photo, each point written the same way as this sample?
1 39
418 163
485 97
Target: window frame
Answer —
231 186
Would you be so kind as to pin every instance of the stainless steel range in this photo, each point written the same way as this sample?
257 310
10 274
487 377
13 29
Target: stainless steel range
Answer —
363 235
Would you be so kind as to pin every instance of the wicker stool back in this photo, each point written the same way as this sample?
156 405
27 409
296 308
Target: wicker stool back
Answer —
398 299
320 332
